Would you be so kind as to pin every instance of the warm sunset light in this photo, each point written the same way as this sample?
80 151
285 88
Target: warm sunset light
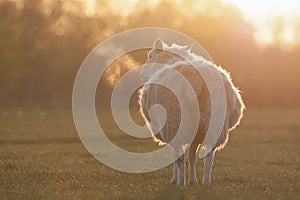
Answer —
275 21
90 6
114 99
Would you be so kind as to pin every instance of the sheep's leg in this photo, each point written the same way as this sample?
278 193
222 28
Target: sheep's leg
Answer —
178 167
192 163
174 177
208 162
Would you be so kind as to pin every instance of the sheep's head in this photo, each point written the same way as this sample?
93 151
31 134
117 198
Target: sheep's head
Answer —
160 55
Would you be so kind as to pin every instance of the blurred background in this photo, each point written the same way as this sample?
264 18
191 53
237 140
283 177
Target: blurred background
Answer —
43 43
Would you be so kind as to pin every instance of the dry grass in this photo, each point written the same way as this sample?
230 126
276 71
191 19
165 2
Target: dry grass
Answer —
41 157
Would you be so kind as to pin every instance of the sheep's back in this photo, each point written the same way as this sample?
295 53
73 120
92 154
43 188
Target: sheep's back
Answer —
157 94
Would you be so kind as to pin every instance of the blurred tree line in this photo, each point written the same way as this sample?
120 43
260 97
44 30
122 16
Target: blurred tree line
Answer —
44 42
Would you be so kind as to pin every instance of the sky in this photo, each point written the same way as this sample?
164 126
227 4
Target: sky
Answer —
265 15
274 21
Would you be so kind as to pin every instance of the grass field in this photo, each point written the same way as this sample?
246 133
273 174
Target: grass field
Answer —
41 157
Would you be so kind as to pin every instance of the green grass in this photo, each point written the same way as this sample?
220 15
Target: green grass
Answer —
41 157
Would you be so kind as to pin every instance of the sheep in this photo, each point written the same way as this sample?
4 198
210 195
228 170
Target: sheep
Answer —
151 94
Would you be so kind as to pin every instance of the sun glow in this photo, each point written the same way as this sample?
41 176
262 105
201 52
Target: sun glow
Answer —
90 6
275 21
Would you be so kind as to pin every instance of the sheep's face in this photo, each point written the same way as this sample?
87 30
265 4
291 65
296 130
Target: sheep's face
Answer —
157 57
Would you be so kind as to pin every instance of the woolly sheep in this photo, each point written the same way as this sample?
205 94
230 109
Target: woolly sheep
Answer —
152 94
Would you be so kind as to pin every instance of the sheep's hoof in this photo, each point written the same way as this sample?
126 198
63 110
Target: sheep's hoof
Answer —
191 183
174 182
206 183
180 185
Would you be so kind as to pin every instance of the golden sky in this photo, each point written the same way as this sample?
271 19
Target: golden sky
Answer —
267 15
274 21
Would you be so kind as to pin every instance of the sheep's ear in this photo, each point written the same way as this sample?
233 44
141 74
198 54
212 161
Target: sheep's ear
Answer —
189 46
158 44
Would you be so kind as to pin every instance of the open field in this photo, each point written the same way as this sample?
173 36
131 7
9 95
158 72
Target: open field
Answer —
41 157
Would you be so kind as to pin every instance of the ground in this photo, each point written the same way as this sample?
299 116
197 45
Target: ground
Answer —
41 157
